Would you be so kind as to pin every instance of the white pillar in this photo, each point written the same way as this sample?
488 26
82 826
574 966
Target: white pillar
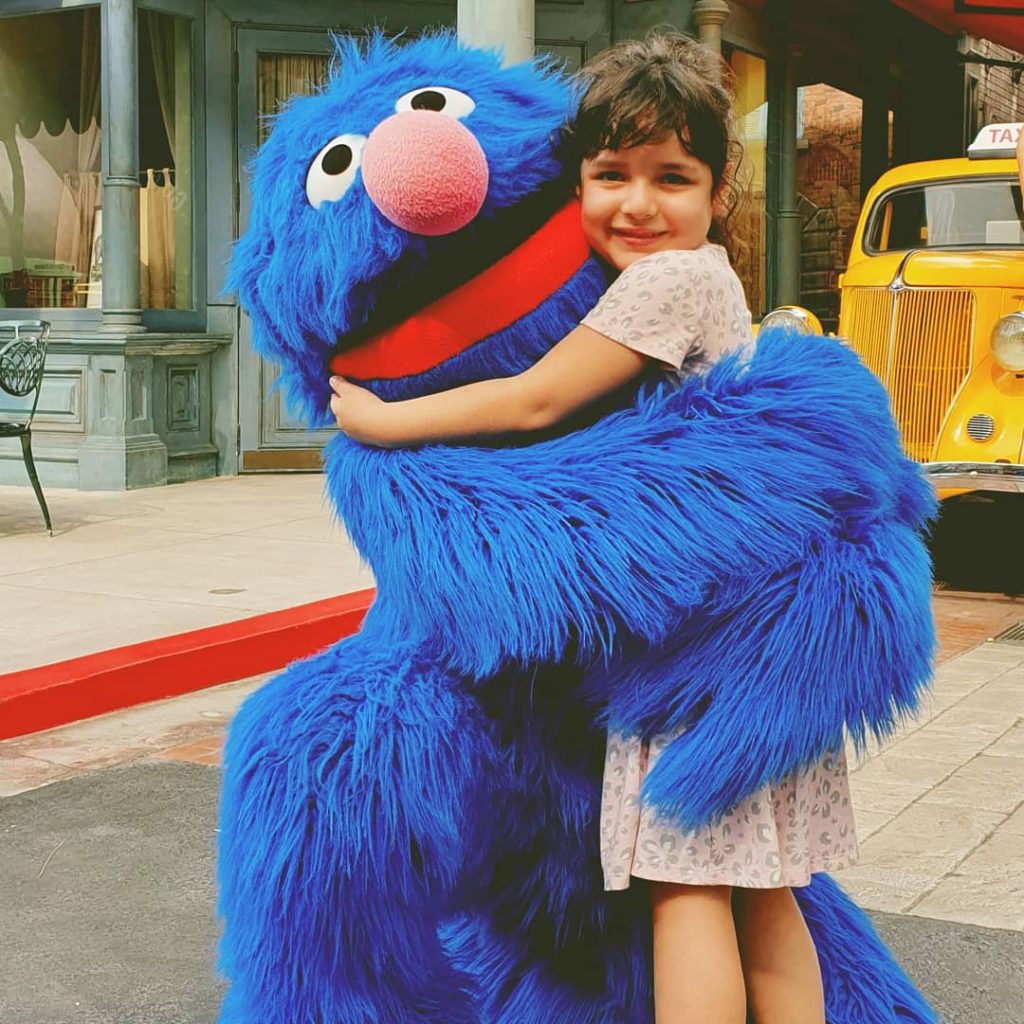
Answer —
506 25
710 16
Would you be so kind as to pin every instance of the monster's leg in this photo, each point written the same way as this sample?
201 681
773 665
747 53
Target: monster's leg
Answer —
863 983
346 782
539 934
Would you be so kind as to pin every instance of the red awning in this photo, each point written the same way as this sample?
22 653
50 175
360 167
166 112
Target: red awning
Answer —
962 16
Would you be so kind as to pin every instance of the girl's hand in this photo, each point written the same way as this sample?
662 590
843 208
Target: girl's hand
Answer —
359 413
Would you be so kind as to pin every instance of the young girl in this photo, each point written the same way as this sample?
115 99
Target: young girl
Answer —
653 143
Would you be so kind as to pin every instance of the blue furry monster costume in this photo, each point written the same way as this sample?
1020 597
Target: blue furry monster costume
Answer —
409 825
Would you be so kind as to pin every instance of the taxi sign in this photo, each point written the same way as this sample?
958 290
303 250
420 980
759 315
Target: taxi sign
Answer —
995 140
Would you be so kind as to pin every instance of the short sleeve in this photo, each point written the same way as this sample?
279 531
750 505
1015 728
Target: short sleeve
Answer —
652 306
656 305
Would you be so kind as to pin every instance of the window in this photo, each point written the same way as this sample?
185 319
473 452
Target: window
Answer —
50 193
982 214
281 76
165 160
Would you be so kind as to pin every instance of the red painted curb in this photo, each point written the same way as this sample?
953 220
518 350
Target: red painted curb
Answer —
66 691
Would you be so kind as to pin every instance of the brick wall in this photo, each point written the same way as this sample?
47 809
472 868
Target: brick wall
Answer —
997 94
828 180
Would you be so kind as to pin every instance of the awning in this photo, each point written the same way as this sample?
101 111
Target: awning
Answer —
1002 21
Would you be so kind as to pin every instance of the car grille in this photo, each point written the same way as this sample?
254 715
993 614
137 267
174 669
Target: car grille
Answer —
917 341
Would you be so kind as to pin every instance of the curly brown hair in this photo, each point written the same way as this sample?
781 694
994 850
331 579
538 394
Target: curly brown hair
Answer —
641 90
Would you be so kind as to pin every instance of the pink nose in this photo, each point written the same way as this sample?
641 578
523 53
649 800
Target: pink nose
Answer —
425 172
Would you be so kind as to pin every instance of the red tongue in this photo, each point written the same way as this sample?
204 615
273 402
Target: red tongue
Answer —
516 285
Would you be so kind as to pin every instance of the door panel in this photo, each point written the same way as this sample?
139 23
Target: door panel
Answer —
273 66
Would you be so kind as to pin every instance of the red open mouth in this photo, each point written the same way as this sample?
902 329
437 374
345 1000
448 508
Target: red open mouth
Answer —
498 296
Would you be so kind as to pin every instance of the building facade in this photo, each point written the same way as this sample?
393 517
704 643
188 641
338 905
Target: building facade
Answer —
126 127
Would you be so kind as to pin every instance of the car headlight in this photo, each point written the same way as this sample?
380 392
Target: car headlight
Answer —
1008 343
792 318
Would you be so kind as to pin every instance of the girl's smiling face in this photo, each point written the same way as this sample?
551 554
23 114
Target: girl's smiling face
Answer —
643 199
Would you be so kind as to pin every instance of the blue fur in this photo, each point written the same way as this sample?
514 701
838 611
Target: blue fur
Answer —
853 995
690 487
317 883
409 825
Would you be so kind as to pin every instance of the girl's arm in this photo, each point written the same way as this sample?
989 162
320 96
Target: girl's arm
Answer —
581 368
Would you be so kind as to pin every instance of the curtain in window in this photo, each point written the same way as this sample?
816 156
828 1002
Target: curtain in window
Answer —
156 202
156 215
280 76
166 201
161 31
81 192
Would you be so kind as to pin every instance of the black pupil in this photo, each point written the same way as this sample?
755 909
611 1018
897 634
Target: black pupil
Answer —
337 159
429 99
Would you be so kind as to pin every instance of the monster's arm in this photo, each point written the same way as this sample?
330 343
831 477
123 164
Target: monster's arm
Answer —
730 551
583 367
523 553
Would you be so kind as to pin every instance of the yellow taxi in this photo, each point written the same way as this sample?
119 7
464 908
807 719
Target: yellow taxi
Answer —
933 301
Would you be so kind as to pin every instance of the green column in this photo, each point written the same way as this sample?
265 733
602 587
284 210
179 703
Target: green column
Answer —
122 289
507 25
783 212
121 448
789 211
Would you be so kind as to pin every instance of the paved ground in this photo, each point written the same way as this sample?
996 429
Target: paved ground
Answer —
940 808
107 831
123 567
108 915
107 827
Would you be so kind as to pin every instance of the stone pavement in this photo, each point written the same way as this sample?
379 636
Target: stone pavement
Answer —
123 567
940 808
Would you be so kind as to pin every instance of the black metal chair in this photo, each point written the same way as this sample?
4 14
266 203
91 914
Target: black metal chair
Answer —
22 356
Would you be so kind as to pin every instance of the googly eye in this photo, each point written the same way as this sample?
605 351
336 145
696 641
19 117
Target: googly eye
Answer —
333 170
437 97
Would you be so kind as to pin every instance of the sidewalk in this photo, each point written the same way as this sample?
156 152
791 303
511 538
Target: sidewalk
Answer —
123 567
939 809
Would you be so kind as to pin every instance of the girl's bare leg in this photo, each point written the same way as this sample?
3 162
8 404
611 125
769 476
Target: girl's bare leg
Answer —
697 974
780 963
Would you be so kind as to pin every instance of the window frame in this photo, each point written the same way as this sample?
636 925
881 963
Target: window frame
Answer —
911 186
20 8
63 319
194 318
70 320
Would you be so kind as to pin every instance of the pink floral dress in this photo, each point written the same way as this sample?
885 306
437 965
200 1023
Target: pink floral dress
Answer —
686 308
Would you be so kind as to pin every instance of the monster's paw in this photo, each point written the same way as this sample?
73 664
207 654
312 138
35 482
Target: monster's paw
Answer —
840 640
346 779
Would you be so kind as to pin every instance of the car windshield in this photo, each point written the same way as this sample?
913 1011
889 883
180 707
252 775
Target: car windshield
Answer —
979 213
